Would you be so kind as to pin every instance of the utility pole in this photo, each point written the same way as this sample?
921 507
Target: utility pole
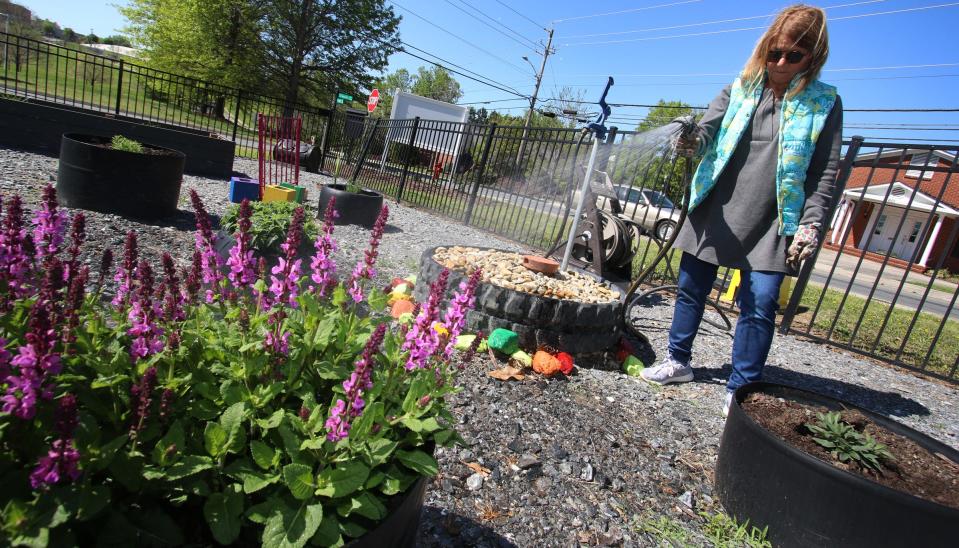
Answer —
532 100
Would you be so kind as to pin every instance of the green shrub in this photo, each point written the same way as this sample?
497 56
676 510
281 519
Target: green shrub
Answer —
120 142
270 221
846 443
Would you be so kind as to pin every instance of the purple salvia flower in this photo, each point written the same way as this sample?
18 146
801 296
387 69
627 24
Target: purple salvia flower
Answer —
194 278
49 225
278 344
364 269
62 460
141 396
106 262
4 360
147 336
35 362
166 403
15 252
66 416
338 423
77 235
422 340
322 264
463 301
286 274
125 272
241 261
210 262
172 297
74 302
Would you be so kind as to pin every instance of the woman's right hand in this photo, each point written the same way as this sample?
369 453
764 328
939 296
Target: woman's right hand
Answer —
687 145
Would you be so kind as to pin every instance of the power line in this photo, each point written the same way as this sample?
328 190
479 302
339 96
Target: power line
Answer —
654 84
493 55
848 69
900 109
507 6
507 87
907 139
493 101
704 23
507 27
853 126
490 26
625 11
832 20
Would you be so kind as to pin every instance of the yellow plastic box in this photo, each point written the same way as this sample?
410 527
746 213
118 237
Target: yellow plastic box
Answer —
278 194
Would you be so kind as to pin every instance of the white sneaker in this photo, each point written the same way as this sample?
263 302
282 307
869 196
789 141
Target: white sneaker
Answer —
727 401
667 371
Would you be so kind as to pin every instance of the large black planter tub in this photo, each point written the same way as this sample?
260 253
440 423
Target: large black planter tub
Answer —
354 208
789 482
94 176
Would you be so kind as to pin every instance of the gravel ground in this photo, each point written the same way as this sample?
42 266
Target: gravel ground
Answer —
580 461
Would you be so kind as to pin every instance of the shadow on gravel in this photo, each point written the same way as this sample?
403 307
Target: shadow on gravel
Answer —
890 404
439 529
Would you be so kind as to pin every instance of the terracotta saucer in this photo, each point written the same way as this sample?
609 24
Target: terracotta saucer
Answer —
540 264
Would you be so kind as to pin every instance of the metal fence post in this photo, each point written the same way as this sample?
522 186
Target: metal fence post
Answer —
236 113
468 216
119 88
409 157
845 168
366 150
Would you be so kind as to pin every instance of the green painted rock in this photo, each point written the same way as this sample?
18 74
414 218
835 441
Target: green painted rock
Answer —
503 340
633 365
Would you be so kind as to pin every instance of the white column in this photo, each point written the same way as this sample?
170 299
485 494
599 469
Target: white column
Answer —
932 240
837 235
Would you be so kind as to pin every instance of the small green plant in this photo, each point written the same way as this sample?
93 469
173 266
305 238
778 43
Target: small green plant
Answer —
270 222
725 532
846 444
666 530
120 142
350 185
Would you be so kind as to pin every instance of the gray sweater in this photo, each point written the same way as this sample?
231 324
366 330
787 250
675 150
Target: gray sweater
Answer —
737 224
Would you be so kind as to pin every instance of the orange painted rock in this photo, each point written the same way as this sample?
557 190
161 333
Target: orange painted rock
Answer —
545 363
401 307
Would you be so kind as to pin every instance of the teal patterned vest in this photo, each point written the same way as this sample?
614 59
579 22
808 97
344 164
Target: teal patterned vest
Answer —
801 120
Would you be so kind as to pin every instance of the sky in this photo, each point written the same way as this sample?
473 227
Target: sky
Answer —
884 54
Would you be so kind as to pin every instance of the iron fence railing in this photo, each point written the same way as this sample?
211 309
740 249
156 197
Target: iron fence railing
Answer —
75 77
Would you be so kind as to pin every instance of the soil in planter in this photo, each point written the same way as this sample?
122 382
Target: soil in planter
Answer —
915 470
147 149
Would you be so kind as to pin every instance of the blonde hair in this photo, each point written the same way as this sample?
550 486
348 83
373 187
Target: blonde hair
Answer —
806 27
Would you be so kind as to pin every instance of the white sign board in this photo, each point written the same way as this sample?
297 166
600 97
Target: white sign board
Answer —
429 135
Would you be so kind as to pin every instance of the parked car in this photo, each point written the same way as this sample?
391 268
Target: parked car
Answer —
649 208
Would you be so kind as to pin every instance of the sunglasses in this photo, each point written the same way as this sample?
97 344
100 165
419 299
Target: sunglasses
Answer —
792 57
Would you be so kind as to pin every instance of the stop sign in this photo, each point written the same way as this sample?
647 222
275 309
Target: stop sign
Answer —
373 100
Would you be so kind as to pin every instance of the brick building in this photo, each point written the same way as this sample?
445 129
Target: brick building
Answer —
901 203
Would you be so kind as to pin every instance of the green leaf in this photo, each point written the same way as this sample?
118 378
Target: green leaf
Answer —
372 414
380 450
35 538
84 501
418 388
419 461
364 504
214 439
263 454
275 419
323 332
292 529
108 452
185 467
223 512
299 478
328 534
291 441
173 438
232 423
342 480
416 425
377 300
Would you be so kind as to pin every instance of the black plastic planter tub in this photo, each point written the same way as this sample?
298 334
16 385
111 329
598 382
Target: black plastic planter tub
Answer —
355 208
96 177
807 502
399 528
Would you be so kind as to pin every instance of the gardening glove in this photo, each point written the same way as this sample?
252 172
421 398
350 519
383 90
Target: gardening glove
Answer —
687 141
804 243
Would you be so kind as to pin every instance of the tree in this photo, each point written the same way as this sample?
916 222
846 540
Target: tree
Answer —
401 80
92 39
70 35
478 116
118 40
663 113
327 44
437 83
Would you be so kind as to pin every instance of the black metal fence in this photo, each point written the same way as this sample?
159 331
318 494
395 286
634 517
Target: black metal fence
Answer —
71 75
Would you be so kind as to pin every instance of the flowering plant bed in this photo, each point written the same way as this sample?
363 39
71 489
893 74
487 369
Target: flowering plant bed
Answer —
252 407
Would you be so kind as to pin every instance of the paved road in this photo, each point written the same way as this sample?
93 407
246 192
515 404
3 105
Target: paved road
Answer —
889 280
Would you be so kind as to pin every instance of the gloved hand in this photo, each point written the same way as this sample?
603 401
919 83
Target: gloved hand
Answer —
803 245
687 141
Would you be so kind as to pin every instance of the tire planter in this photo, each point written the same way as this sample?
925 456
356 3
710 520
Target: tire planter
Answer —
355 208
399 528
96 177
807 502
585 330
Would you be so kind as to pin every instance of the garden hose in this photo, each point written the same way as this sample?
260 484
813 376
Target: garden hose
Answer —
687 127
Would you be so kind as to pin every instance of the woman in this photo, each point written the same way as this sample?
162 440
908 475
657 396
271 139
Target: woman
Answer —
759 197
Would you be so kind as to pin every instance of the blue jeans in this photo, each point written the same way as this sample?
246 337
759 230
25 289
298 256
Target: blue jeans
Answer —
758 301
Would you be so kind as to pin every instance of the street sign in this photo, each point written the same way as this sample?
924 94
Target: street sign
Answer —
342 97
373 100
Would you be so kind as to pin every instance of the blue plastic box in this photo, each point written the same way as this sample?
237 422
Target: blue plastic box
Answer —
243 187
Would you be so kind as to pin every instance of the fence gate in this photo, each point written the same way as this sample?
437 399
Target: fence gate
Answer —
279 148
